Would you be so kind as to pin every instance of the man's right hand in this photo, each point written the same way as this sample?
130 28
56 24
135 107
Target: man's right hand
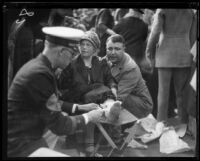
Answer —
95 115
88 107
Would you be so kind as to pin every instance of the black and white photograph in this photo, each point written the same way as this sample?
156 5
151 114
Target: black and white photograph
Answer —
100 80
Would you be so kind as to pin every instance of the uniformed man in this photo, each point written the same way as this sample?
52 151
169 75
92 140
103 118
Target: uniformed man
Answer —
33 104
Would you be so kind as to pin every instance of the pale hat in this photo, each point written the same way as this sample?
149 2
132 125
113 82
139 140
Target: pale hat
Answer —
62 35
92 37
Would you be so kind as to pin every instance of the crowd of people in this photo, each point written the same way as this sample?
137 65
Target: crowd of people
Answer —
64 63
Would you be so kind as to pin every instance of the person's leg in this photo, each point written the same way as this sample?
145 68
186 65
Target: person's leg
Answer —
164 78
89 139
139 106
181 77
172 100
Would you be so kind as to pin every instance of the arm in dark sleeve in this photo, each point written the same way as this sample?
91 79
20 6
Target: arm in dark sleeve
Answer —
66 78
103 19
60 124
41 89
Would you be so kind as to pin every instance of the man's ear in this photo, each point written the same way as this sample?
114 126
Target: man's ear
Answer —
60 51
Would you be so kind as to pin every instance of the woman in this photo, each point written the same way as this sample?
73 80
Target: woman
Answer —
88 79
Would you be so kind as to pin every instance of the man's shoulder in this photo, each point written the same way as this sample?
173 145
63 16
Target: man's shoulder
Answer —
35 67
129 62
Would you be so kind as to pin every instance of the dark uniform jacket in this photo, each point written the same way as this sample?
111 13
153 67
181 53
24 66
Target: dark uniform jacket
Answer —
29 114
79 79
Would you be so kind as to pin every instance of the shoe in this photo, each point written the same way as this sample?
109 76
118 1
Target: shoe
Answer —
114 111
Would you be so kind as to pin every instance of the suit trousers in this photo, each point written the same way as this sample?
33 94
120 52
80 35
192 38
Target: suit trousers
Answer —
180 79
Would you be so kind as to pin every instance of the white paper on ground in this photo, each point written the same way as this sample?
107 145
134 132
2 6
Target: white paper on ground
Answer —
137 145
45 152
148 123
154 133
171 143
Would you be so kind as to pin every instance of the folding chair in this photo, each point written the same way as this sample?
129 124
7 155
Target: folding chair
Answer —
125 117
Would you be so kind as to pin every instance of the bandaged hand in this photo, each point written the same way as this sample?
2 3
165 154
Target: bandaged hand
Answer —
95 115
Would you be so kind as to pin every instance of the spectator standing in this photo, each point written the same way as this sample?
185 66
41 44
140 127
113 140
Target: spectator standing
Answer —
172 35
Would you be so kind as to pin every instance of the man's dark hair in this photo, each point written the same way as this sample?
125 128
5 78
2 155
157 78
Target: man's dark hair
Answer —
116 38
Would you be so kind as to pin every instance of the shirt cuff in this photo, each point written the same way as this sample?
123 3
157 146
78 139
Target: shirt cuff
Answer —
86 118
74 108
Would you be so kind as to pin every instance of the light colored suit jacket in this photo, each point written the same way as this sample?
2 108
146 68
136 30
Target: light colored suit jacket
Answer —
172 36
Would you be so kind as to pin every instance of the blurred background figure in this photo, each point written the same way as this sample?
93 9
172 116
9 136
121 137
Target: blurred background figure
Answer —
103 27
22 39
135 31
88 18
120 13
57 16
148 17
172 35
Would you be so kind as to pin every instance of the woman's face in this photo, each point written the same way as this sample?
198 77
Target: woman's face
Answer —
86 48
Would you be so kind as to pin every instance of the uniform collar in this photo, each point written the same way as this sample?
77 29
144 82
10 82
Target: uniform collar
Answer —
46 61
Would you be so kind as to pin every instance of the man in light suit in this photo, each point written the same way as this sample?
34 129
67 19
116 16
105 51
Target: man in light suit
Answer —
131 87
175 32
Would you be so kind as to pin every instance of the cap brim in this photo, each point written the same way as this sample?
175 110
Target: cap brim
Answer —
64 32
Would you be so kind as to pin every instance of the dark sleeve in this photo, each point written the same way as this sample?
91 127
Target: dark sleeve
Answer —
116 28
103 19
60 124
66 78
41 88
67 107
